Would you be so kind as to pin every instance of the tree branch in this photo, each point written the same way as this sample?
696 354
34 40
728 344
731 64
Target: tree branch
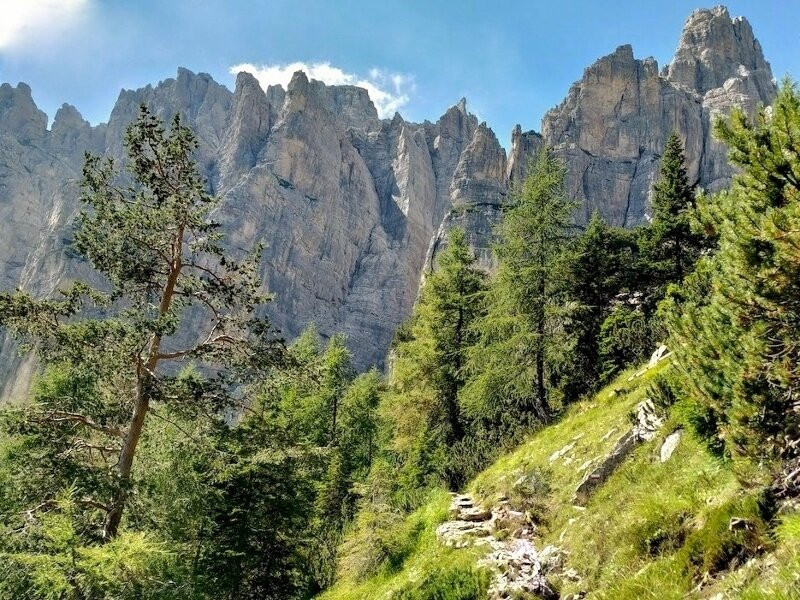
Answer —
58 416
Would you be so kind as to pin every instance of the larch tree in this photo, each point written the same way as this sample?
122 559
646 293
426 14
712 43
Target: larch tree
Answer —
522 342
427 368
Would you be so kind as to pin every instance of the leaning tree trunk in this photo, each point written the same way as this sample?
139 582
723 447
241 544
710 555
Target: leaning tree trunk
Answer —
144 393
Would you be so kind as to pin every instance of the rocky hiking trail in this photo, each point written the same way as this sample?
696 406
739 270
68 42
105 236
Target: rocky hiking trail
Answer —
519 568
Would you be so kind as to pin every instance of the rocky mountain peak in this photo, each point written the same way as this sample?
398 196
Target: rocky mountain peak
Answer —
251 119
71 133
713 48
68 116
298 84
19 115
524 145
203 104
350 104
352 207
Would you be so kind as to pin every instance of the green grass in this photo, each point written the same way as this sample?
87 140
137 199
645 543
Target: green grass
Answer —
652 530
426 569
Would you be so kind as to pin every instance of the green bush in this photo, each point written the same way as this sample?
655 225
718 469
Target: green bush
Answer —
380 539
625 339
717 546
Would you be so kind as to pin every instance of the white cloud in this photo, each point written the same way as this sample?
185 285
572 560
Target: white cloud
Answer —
388 91
25 21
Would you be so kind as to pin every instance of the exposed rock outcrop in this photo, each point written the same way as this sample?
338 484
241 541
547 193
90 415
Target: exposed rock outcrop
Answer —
477 194
353 208
518 567
646 426
345 203
614 122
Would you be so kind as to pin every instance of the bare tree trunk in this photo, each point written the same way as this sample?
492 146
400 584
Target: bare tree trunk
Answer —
541 325
125 463
144 393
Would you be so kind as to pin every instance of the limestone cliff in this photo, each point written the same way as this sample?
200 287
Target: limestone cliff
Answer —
345 203
353 208
613 124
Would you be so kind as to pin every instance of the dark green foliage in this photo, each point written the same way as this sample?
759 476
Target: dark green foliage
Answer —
735 320
422 410
454 293
625 338
600 267
669 246
518 362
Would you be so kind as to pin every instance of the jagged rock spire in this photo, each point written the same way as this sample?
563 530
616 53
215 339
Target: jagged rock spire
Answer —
713 48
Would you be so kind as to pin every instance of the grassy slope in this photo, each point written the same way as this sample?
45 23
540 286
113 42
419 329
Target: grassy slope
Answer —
652 530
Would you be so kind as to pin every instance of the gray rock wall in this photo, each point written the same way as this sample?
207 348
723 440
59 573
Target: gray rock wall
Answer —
352 208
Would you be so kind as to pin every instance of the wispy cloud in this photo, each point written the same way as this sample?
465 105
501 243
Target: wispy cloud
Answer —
28 22
388 91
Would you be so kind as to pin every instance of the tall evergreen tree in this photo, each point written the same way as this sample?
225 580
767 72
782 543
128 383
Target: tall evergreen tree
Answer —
734 325
161 254
453 295
427 369
522 340
670 247
599 266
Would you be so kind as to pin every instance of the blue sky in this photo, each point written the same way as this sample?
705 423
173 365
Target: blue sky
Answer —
512 60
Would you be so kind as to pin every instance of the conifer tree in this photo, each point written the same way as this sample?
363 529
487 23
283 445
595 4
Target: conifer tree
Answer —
599 265
522 341
734 324
427 368
453 295
670 248
172 294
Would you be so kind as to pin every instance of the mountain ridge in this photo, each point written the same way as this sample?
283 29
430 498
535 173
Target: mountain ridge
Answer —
353 208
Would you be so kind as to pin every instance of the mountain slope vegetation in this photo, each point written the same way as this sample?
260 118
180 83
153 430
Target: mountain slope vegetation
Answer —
175 446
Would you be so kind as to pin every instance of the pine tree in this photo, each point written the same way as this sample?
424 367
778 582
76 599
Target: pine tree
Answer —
734 324
174 294
522 341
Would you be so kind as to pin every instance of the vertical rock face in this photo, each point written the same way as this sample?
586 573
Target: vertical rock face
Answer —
612 126
477 194
252 117
610 130
345 203
352 208
523 147
203 104
713 48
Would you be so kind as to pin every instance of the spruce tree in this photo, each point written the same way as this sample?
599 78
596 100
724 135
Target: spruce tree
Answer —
172 294
599 265
522 343
669 246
